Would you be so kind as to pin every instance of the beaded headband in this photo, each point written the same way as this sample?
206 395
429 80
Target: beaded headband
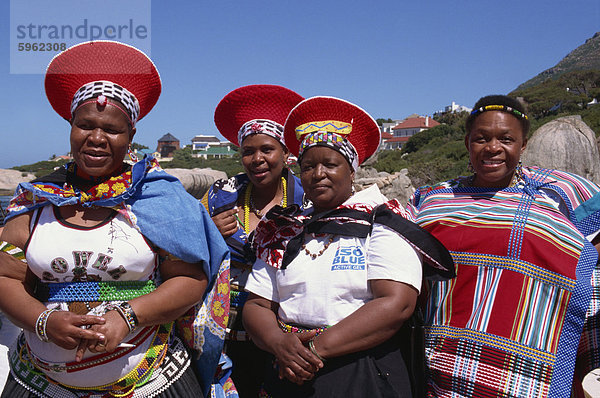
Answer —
103 101
261 126
331 140
104 88
503 108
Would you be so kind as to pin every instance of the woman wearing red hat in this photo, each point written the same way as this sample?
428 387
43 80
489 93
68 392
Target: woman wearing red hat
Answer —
252 118
330 289
109 249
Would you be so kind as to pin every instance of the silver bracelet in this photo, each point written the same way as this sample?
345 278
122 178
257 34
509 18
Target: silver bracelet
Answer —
311 346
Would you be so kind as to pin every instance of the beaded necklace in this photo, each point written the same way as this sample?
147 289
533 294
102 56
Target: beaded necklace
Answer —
248 203
315 255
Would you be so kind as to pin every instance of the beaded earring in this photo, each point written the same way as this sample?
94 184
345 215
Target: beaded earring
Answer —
470 167
132 156
519 170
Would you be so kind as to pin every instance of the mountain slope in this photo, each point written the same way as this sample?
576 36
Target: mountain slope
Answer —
584 57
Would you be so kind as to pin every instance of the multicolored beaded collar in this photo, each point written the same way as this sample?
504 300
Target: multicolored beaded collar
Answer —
502 108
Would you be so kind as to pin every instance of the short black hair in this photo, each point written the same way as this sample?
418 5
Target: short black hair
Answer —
498 100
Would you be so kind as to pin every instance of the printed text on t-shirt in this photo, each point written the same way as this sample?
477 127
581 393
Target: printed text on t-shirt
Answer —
349 258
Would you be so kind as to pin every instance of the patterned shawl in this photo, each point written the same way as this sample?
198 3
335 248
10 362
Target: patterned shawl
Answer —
278 238
509 324
223 195
159 207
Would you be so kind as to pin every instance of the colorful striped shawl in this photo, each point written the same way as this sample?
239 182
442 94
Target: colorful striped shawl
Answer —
509 324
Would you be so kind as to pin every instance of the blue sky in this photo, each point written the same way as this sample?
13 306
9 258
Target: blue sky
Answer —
393 58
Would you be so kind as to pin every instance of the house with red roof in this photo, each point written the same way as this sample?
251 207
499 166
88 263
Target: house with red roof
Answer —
406 129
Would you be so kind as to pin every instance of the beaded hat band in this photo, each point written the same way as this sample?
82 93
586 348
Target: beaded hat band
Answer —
502 108
101 88
331 140
261 126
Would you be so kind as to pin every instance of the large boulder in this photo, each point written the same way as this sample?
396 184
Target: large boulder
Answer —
566 143
393 186
197 181
9 179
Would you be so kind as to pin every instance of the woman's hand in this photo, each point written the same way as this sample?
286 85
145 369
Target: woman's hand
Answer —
226 222
67 329
114 330
296 362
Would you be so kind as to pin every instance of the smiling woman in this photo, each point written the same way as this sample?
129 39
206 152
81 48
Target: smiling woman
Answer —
513 322
100 138
252 118
110 248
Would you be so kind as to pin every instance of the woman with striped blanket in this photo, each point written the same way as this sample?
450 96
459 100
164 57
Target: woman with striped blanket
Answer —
520 318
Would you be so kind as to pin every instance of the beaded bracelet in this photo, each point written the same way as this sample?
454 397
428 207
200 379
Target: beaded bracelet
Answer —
311 346
126 312
296 329
40 325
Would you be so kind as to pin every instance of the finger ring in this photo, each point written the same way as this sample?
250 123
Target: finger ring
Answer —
100 344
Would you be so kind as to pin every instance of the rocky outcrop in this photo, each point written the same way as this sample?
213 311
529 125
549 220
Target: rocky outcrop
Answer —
568 144
197 181
9 179
393 186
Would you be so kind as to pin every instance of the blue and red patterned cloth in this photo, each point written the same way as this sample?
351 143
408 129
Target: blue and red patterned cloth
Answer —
521 317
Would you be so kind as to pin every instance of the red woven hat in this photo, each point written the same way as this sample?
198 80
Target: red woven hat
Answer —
365 135
259 101
94 61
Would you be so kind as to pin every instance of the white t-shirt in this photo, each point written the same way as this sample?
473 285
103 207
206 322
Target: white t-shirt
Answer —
62 252
323 291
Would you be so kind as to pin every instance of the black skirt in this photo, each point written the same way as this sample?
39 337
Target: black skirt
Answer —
249 363
375 373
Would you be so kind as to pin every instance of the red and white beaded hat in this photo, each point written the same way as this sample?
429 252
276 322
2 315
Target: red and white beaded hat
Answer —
332 122
258 108
100 69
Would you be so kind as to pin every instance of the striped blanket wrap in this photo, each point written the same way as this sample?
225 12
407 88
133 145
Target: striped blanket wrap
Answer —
521 317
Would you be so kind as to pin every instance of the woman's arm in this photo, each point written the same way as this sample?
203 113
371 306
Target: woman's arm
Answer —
183 286
373 323
295 360
16 301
